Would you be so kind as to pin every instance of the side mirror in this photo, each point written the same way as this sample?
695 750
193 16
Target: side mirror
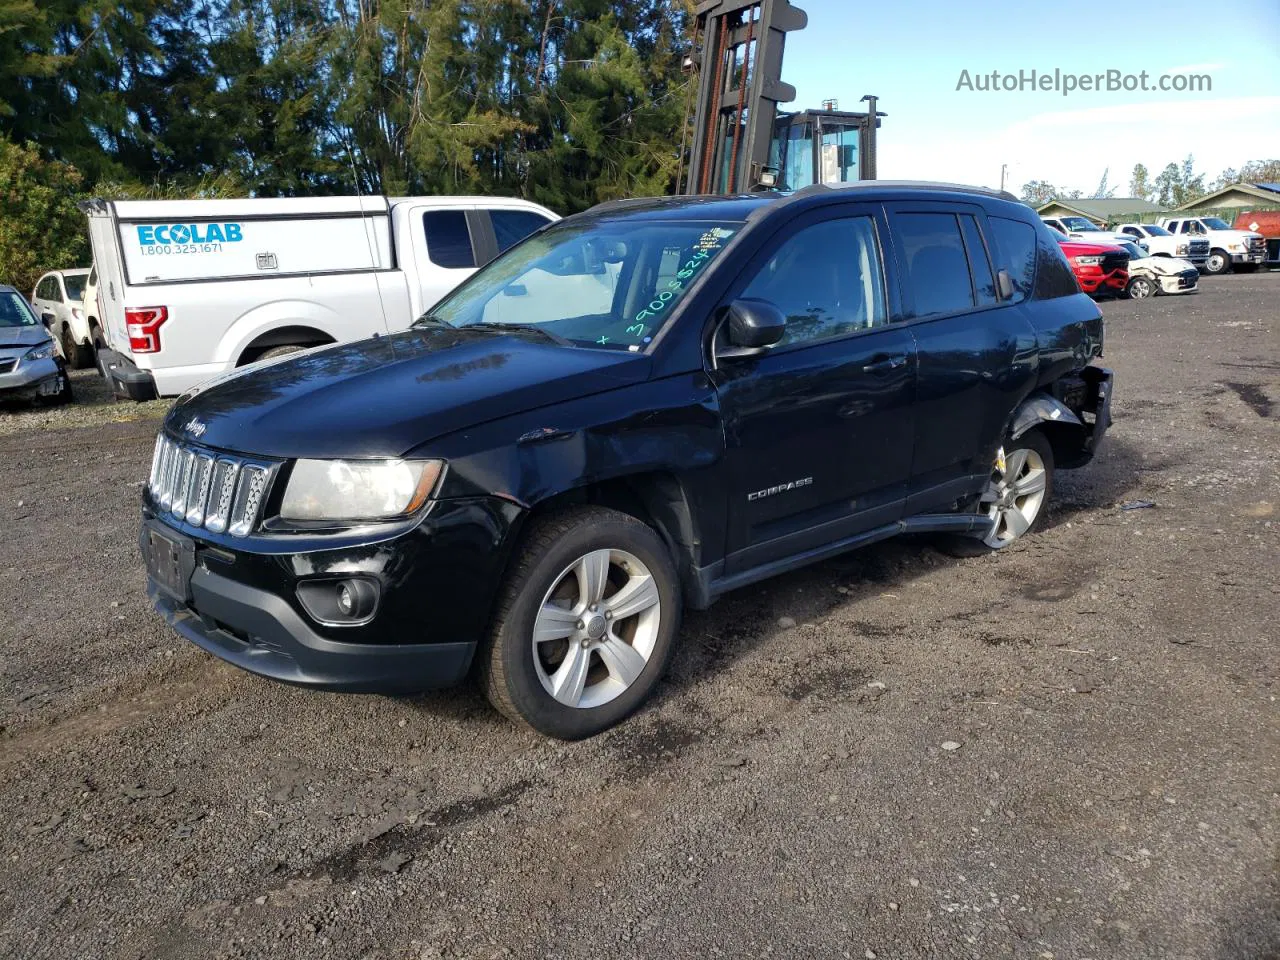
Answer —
753 326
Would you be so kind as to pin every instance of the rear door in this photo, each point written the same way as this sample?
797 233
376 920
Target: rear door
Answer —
819 429
976 352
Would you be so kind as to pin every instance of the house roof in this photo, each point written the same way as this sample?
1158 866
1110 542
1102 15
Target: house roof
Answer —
1266 192
1103 208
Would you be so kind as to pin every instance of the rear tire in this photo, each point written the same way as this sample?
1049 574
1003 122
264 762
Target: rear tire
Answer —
281 351
584 625
1015 500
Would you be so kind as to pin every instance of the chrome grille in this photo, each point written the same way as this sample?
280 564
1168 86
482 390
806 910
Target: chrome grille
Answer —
218 492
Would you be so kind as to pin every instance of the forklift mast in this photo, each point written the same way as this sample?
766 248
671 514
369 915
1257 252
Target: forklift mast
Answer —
740 142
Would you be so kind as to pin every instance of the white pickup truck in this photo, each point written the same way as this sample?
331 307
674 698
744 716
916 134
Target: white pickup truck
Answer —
1161 243
1078 228
1227 247
189 289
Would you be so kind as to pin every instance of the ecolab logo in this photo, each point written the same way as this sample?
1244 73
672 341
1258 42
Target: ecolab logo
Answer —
190 233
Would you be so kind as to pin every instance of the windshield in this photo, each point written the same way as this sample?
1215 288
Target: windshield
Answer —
1080 225
14 311
1134 252
1154 231
612 283
75 286
1215 223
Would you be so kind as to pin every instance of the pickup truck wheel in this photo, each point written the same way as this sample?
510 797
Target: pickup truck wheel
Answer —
1140 288
585 624
281 351
1219 262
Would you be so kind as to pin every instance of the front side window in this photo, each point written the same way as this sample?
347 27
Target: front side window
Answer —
448 238
933 256
826 279
607 283
14 311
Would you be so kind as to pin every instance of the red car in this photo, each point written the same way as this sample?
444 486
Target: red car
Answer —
1099 268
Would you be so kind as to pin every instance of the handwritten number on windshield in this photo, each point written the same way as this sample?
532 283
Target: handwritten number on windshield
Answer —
660 302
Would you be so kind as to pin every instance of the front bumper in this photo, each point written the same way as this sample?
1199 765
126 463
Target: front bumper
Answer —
1093 280
32 378
1185 282
1253 256
238 598
269 638
126 379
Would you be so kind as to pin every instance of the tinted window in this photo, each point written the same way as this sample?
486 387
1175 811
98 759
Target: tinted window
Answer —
936 267
448 239
1053 274
984 284
1132 231
512 226
1015 253
826 279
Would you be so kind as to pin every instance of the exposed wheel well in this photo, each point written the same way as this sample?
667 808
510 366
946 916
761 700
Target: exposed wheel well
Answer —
657 499
282 337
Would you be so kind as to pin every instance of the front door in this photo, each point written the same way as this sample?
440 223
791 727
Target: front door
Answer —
819 428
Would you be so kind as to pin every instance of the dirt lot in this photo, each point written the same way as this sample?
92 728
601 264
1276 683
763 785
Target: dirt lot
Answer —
795 791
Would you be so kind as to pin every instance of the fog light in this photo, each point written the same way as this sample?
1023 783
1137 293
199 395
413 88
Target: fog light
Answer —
348 602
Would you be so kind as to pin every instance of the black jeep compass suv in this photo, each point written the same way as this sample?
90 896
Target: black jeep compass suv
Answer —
646 405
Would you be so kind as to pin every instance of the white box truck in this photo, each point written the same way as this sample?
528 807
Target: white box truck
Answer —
188 289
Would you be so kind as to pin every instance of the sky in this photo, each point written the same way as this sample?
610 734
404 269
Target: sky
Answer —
912 54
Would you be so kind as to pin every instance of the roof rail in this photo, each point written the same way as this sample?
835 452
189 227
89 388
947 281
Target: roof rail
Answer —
905 185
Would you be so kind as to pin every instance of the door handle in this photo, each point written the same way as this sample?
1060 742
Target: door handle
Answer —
885 363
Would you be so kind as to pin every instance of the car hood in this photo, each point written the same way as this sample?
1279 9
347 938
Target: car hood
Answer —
23 336
1165 266
385 396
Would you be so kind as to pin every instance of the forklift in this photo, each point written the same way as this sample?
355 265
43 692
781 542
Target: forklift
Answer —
741 142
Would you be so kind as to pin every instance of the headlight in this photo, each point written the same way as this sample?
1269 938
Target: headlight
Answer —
1183 249
43 352
358 489
1088 261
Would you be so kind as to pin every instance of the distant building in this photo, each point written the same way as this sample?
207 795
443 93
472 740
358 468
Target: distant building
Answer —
1238 195
1101 212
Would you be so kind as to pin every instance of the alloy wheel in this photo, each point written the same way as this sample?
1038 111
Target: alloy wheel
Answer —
1015 495
596 628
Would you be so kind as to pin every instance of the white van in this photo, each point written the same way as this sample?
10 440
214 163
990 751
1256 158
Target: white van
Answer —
192 288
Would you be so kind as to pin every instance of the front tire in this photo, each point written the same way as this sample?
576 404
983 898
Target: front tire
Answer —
78 357
585 623
1219 262
1140 288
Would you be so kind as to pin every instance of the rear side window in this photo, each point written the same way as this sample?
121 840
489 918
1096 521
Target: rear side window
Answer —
1053 274
935 263
1015 254
448 238
512 226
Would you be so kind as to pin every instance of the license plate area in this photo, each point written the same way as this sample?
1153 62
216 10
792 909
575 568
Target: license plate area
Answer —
170 559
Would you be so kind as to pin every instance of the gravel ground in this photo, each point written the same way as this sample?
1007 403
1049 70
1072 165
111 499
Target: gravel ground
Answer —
1068 750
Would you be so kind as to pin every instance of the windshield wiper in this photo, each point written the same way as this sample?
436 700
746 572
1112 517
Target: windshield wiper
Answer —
431 320
522 328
